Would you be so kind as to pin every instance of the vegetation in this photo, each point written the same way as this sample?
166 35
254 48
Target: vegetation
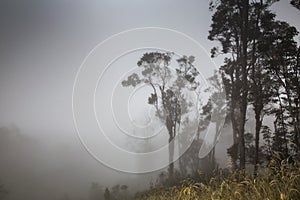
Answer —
168 95
280 181
261 77
260 72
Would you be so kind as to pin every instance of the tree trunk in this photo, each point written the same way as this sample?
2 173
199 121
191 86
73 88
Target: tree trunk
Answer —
257 93
171 158
170 126
235 129
258 124
244 100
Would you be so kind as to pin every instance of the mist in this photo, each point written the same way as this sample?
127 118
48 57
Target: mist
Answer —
43 44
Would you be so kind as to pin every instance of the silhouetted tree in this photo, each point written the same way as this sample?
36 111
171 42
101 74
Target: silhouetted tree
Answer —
230 26
242 27
282 61
260 80
213 114
296 3
107 194
189 162
167 96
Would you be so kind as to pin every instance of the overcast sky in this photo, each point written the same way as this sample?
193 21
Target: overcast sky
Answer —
44 42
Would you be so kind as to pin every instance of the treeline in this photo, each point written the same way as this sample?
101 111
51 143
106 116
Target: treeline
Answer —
261 79
261 74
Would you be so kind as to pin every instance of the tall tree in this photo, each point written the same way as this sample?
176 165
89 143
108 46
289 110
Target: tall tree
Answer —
260 81
214 112
283 63
242 28
168 90
230 26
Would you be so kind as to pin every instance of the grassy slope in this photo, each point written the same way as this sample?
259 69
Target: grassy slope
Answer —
280 181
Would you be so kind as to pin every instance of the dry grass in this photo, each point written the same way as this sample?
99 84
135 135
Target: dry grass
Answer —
280 181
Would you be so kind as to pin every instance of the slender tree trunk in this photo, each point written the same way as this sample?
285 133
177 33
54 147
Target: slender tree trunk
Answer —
297 135
213 156
181 161
171 158
297 128
234 124
244 100
235 131
258 124
286 149
257 93
170 126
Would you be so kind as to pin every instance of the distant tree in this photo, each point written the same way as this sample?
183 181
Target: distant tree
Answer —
217 104
119 192
107 194
168 90
96 191
213 113
189 162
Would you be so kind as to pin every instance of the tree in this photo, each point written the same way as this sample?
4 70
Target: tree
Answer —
96 191
189 162
230 26
168 90
282 62
119 192
214 113
241 27
107 194
296 3
260 81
